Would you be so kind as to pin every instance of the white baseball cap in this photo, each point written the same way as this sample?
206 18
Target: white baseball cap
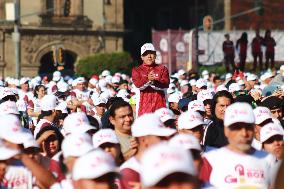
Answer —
56 76
93 165
221 88
5 91
234 87
270 130
204 95
100 100
105 73
23 80
104 136
80 80
251 77
29 140
238 112
93 81
196 105
62 106
161 160
201 83
49 102
76 145
261 114
123 94
183 83
190 120
241 82
9 107
147 47
10 129
181 72
165 114
185 141
76 122
228 76
192 82
150 124
174 97
7 153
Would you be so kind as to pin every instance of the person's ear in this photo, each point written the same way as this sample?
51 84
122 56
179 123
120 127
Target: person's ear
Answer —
111 120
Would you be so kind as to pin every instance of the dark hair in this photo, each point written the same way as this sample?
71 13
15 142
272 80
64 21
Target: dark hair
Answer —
218 95
94 122
111 100
53 128
37 89
43 114
244 37
116 105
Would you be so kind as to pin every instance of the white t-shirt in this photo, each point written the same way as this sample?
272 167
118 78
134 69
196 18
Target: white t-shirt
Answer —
256 144
235 170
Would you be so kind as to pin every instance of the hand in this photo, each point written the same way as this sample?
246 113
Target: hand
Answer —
151 76
133 143
256 96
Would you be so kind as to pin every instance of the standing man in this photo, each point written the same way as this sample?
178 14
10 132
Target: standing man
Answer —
151 79
229 53
270 44
256 43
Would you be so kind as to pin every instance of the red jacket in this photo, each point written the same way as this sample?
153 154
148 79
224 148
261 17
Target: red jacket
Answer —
256 45
228 48
270 43
152 95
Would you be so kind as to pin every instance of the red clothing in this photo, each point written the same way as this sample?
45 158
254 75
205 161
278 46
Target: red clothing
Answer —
228 48
269 43
152 95
256 45
242 46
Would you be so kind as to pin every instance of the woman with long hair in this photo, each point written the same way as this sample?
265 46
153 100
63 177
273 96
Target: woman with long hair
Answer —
241 46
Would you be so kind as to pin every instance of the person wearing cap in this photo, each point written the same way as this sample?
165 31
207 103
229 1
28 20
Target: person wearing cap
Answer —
262 116
80 95
206 97
173 100
34 105
121 117
190 143
237 164
279 78
95 169
229 53
164 166
191 122
167 117
252 80
99 109
214 135
274 104
149 130
49 115
73 146
24 93
107 140
22 169
151 79
271 136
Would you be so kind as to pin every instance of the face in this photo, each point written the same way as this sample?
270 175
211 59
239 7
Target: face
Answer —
123 86
123 119
207 107
196 131
221 105
25 87
41 92
240 136
149 57
174 105
112 149
100 109
275 146
277 113
51 145
81 86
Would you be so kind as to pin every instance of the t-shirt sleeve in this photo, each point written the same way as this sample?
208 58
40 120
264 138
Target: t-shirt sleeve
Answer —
30 105
205 171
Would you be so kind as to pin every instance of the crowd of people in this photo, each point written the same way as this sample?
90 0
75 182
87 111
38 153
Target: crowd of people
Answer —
260 46
149 130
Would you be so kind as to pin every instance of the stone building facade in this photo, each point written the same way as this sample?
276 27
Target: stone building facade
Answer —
81 27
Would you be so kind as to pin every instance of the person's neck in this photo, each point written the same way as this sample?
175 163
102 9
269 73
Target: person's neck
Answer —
123 132
139 153
236 150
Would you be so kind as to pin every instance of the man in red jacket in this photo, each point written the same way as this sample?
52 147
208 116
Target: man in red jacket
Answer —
152 80
256 44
